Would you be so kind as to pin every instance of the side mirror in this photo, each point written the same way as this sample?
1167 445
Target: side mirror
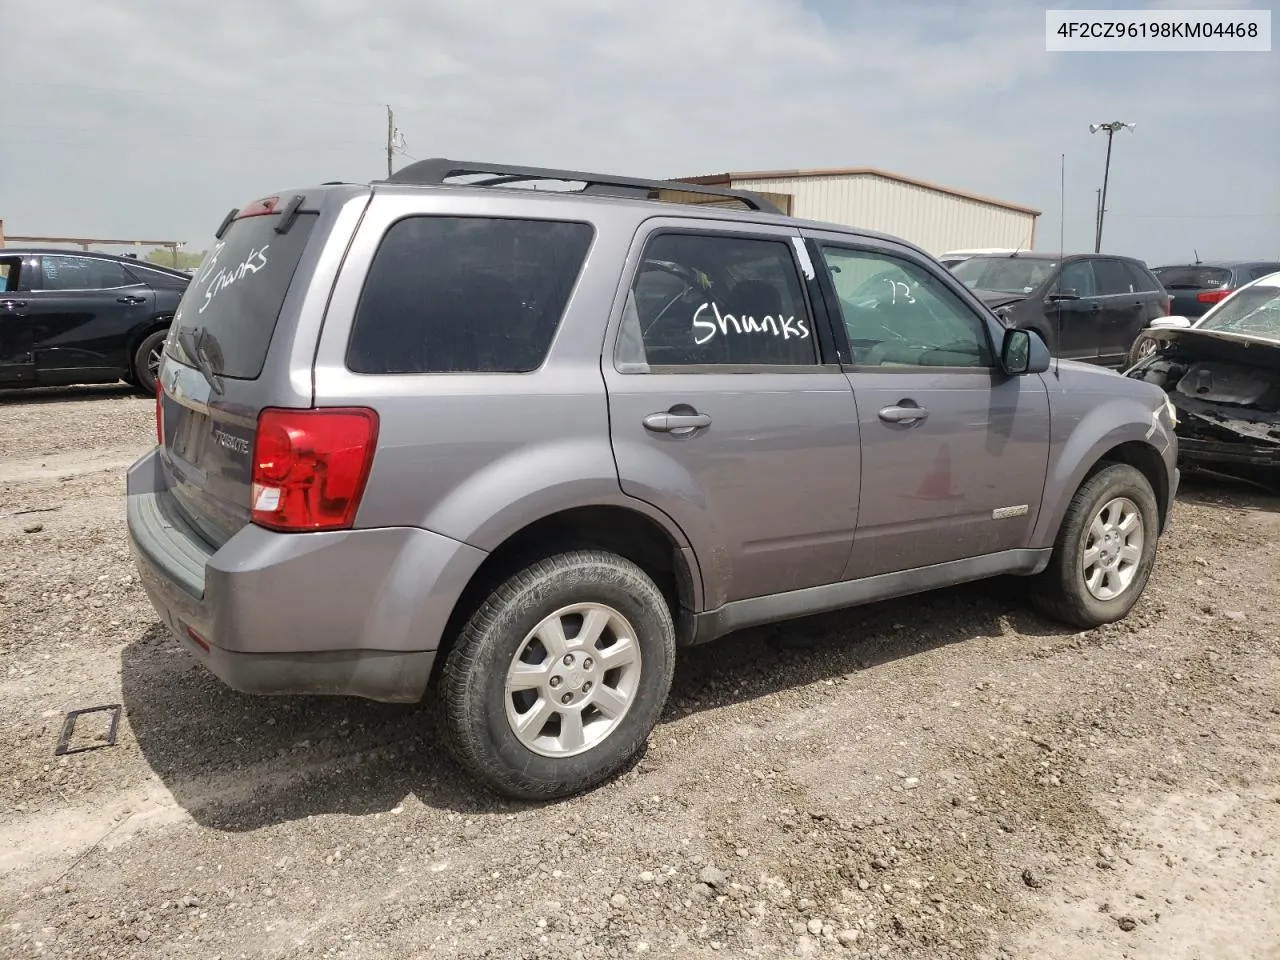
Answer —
1170 323
1023 352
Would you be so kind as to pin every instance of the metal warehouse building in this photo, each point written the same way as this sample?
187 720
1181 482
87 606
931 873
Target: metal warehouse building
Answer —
934 217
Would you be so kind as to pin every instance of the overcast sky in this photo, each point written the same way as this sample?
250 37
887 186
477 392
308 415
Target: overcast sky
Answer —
152 118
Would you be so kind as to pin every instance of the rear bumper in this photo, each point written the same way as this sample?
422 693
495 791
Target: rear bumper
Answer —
355 612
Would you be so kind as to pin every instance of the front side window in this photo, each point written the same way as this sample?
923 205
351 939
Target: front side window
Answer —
81 273
897 313
702 299
1078 280
466 295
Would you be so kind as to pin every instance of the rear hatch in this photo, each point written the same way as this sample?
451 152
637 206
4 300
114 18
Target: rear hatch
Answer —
1195 288
212 383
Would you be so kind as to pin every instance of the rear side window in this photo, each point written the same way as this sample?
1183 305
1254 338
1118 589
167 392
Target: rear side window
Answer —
1142 280
82 273
1112 277
466 295
1192 278
236 295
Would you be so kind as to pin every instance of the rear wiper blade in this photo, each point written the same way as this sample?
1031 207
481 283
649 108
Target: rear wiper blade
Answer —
191 340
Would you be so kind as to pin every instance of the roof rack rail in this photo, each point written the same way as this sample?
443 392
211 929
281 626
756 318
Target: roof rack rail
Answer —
438 170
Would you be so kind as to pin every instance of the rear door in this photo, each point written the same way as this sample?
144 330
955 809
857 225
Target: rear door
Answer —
1078 312
1124 310
220 370
82 310
17 357
954 452
723 412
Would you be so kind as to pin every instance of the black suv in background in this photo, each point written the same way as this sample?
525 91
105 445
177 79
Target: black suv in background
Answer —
68 317
1088 307
1196 287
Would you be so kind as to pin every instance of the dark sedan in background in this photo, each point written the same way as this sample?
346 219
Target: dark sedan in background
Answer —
1196 287
1088 307
69 317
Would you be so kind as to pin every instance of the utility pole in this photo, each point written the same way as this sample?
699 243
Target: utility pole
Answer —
1111 129
391 137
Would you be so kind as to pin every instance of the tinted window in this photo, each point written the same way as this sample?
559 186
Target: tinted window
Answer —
236 295
1078 278
1192 278
9 269
897 313
1264 270
1112 277
1003 274
81 273
1141 279
702 299
466 295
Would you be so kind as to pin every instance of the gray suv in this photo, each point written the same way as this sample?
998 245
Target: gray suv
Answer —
514 447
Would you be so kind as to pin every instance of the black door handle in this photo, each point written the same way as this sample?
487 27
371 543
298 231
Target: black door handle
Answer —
13 304
131 300
680 424
906 411
1095 308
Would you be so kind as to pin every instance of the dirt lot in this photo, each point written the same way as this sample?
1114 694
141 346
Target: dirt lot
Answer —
945 776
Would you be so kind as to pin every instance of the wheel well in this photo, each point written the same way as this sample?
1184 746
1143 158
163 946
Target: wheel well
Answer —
1146 460
154 324
625 532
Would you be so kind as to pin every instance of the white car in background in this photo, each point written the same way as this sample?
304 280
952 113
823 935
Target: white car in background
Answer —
1144 346
952 257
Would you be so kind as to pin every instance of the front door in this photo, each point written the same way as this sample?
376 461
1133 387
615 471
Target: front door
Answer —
17 366
1079 312
82 311
723 413
954 453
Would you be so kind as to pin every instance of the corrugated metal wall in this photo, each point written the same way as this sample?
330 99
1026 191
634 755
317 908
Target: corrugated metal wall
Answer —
931 219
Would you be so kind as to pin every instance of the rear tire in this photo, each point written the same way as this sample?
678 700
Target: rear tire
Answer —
558 678
146 362
1105 550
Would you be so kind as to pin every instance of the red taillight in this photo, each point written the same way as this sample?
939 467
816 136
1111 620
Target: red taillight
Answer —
1168 306
204 644
1213 296
159 413
310 467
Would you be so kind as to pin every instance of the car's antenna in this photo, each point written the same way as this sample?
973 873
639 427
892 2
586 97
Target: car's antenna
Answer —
1062 253
1197 253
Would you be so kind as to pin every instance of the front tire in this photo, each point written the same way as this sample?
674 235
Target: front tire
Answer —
1105 550
1142 348
146 361
558 678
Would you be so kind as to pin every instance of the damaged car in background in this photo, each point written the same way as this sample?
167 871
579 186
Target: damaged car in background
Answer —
1222 376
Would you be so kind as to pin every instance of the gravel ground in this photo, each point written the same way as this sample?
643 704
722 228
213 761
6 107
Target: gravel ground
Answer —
944 776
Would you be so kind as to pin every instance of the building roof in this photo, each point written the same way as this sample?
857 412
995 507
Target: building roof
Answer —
717 179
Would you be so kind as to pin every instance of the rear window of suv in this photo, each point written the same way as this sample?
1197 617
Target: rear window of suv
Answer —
466 295
236 295
1192 278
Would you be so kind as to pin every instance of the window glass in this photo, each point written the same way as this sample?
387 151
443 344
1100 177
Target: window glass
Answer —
1264 270
1078 278
1253 312
705 299
1004 274
1192 277
1141 279
9 268
1112 278
466 295
897 313
82 273
234 300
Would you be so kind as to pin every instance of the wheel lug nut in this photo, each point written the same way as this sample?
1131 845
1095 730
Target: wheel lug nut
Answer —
588 663
568 659
567 698
556 681
586 687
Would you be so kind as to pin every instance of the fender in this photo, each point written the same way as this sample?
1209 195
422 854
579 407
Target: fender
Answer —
1073 454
